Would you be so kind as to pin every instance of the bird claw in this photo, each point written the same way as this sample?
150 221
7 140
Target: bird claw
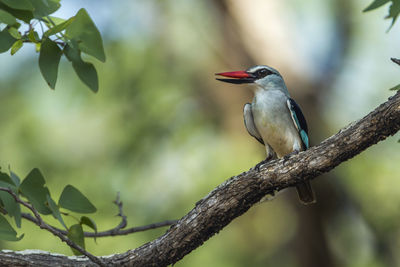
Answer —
286 157
257 167
268 158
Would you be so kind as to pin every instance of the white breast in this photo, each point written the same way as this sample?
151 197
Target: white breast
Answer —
274 123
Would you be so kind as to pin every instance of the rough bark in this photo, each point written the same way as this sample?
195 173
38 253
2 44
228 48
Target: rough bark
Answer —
236 195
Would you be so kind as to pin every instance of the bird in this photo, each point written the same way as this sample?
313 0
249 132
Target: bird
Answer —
273 118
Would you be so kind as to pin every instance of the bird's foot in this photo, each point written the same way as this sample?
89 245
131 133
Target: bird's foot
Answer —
257 167
286 157
268 158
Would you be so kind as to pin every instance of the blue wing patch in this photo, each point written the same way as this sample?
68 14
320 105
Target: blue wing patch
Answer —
299 121
304 138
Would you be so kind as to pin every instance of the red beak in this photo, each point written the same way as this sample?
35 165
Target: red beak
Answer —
234 74
239 77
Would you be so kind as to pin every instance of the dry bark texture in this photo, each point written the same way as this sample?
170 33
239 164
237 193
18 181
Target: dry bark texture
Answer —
236 195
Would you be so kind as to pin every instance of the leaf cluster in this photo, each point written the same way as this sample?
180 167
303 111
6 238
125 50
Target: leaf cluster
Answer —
69 37
394 9
33 188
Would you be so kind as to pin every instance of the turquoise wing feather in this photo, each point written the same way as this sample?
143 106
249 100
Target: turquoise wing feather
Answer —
299 121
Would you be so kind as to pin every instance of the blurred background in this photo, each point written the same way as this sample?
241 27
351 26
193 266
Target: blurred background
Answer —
163 133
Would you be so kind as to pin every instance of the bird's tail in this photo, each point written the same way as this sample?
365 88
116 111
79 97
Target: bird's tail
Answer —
305 192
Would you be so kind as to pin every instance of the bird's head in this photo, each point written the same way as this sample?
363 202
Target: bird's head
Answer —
263 77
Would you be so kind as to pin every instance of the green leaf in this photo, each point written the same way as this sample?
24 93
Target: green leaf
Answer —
19 4
72 52
7 232
14 32
55 210
75 233
7 185
395 88
88 222
375 4
85 33
7 18
49 59
16 46
49 20
59 27
8 182
37 47
24 15
6 40
33 36
73 200
12 207
394 11
35 191
87 74
43 8
15 178
85 71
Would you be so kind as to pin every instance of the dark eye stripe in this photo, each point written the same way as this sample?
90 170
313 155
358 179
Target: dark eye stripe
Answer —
263 72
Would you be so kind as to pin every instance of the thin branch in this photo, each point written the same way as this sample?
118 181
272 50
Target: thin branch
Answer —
112 232
54 25
135 229
51 21
395 60
39 222
121 214
116 231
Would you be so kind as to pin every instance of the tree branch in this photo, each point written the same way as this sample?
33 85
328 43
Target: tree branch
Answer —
116 231
236 195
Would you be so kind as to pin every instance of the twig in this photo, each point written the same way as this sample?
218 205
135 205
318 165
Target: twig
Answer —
121 214
116 231
54 25
112 232
136 229
395 60
39 222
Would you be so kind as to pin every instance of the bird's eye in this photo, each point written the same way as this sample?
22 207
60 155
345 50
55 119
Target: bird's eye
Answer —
262 72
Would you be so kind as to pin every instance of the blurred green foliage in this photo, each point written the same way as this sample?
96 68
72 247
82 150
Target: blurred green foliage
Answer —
157 133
